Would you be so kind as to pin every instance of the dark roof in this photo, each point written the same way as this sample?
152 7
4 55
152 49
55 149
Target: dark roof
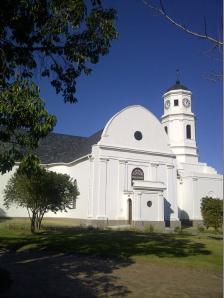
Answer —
177 86
56 148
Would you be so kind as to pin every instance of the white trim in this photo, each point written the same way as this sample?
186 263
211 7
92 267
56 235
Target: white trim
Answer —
148 185
190 115
131 150
66 163
133 161
209 176
177 91
182 146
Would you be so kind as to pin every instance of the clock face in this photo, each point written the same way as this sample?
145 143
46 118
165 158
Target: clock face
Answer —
186 102
167 104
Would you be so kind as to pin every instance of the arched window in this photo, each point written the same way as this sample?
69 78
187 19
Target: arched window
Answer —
188 131
137 174
166 129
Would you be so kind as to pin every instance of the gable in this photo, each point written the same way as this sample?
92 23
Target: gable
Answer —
135 127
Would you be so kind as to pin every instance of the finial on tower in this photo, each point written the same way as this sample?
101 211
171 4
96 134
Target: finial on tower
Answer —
177 85
178 76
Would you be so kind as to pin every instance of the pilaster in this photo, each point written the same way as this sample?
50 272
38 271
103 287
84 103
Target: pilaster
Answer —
154 173
196 204
91 183
172 192
122 186
160 207
102 199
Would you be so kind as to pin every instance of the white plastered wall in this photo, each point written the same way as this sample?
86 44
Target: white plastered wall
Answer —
80 172
120 130
118 153
13 211
193 185
114 181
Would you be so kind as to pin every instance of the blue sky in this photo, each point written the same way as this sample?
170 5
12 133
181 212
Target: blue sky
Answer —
141 66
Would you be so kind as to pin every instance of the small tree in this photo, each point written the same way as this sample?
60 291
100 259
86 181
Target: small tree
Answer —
212 212
40 192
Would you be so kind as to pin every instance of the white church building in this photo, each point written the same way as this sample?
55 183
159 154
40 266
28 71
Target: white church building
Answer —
138 170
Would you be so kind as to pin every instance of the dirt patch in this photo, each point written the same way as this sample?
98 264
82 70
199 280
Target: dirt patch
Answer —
46 274
152 280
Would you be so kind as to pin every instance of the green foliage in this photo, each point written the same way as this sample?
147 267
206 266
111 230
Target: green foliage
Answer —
40 192
58 38
200 228
212 212
23 121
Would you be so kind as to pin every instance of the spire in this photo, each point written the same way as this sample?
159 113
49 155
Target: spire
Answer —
177 85
178 76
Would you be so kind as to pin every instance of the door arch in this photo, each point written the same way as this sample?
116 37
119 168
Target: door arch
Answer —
129 211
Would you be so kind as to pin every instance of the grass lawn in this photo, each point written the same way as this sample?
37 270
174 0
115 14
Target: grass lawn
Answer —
201 251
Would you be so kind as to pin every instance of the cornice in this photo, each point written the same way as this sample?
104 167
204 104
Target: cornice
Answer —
173 115
177 91
124 149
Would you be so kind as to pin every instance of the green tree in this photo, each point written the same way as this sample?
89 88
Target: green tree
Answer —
212 212
39 193
23 121
58 39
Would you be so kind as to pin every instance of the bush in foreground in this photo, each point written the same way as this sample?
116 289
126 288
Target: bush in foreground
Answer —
212 212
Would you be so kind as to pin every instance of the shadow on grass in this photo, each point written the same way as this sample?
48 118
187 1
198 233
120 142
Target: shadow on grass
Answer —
5 280
107 243
4 219
78 262
216 237
47 274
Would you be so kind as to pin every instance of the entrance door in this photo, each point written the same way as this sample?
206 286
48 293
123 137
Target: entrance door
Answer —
129 211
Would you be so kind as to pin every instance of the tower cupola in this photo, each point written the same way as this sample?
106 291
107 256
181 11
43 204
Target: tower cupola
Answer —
177 86
179 122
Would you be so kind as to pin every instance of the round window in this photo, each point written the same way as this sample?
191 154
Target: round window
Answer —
149 203
138 135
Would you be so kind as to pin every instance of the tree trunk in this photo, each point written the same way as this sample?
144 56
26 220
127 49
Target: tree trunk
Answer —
33 220
38 223
41 218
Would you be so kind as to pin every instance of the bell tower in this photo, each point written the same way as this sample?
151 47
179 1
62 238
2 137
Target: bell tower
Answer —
179 123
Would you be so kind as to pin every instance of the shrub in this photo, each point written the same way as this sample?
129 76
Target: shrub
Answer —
212 212
200 229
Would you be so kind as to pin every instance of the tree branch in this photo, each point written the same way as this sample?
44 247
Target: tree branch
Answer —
162 11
